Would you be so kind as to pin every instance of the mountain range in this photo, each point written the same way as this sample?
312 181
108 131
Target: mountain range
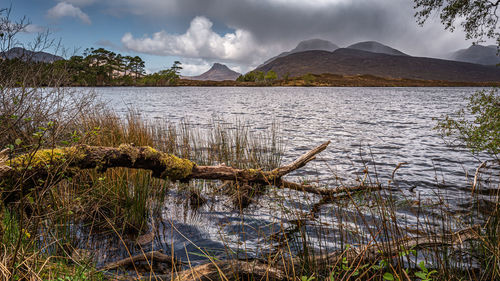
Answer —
373 58
218 72
26 55
317 56
355 62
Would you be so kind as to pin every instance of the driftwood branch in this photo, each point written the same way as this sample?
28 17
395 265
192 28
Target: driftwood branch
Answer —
150 258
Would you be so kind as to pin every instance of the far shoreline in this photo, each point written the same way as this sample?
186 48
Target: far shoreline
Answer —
336 80
315 80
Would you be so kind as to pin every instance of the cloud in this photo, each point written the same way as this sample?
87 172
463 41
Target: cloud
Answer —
193 67
107 43
79 3
200 41
64 9
286 22
33 28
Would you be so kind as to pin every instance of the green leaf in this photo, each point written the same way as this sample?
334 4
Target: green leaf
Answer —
421 275
422 266
18 142
388 276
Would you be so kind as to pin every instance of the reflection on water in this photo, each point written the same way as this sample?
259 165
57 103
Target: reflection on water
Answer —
370 128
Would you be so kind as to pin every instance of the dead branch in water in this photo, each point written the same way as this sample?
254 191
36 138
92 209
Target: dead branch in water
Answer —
150 258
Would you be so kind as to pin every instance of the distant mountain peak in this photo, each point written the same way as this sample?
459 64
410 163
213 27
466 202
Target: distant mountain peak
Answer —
315 44
486 55
376 47
219 66
308 45
218 72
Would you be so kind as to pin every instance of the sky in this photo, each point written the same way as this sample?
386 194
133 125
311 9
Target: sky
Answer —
239 33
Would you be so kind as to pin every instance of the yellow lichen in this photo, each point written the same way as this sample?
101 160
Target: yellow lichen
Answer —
176 168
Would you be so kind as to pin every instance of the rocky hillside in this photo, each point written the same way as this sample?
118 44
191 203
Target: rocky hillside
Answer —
218 72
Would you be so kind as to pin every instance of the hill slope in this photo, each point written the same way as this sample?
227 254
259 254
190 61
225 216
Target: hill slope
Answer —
27 55
486 55
376 47
356 62
218 72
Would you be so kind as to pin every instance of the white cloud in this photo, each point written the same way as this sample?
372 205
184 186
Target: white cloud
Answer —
79 2
193 69
200 41
64 9
33 28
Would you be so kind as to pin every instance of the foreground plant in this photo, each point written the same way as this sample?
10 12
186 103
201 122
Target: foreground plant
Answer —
478 125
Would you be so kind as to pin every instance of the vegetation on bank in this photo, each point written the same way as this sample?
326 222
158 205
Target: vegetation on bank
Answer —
335 80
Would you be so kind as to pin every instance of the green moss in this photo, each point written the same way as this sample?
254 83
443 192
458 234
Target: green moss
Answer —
254 172
272 175
176 168
129 150
46 158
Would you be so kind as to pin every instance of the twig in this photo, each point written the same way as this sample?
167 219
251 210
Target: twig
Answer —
153 256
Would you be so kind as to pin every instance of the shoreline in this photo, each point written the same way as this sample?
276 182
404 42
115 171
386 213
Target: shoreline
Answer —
323 80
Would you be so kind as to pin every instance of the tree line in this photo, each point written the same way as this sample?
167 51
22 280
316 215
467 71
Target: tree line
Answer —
96 67
258 76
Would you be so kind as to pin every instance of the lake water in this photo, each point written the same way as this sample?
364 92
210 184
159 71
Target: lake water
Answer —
376 127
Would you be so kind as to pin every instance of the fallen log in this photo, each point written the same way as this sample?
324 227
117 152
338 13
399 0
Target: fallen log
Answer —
32 169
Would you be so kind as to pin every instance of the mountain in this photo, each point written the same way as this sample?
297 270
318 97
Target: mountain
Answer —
218 72
376 47
355 62
307 45
486 55
27 55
